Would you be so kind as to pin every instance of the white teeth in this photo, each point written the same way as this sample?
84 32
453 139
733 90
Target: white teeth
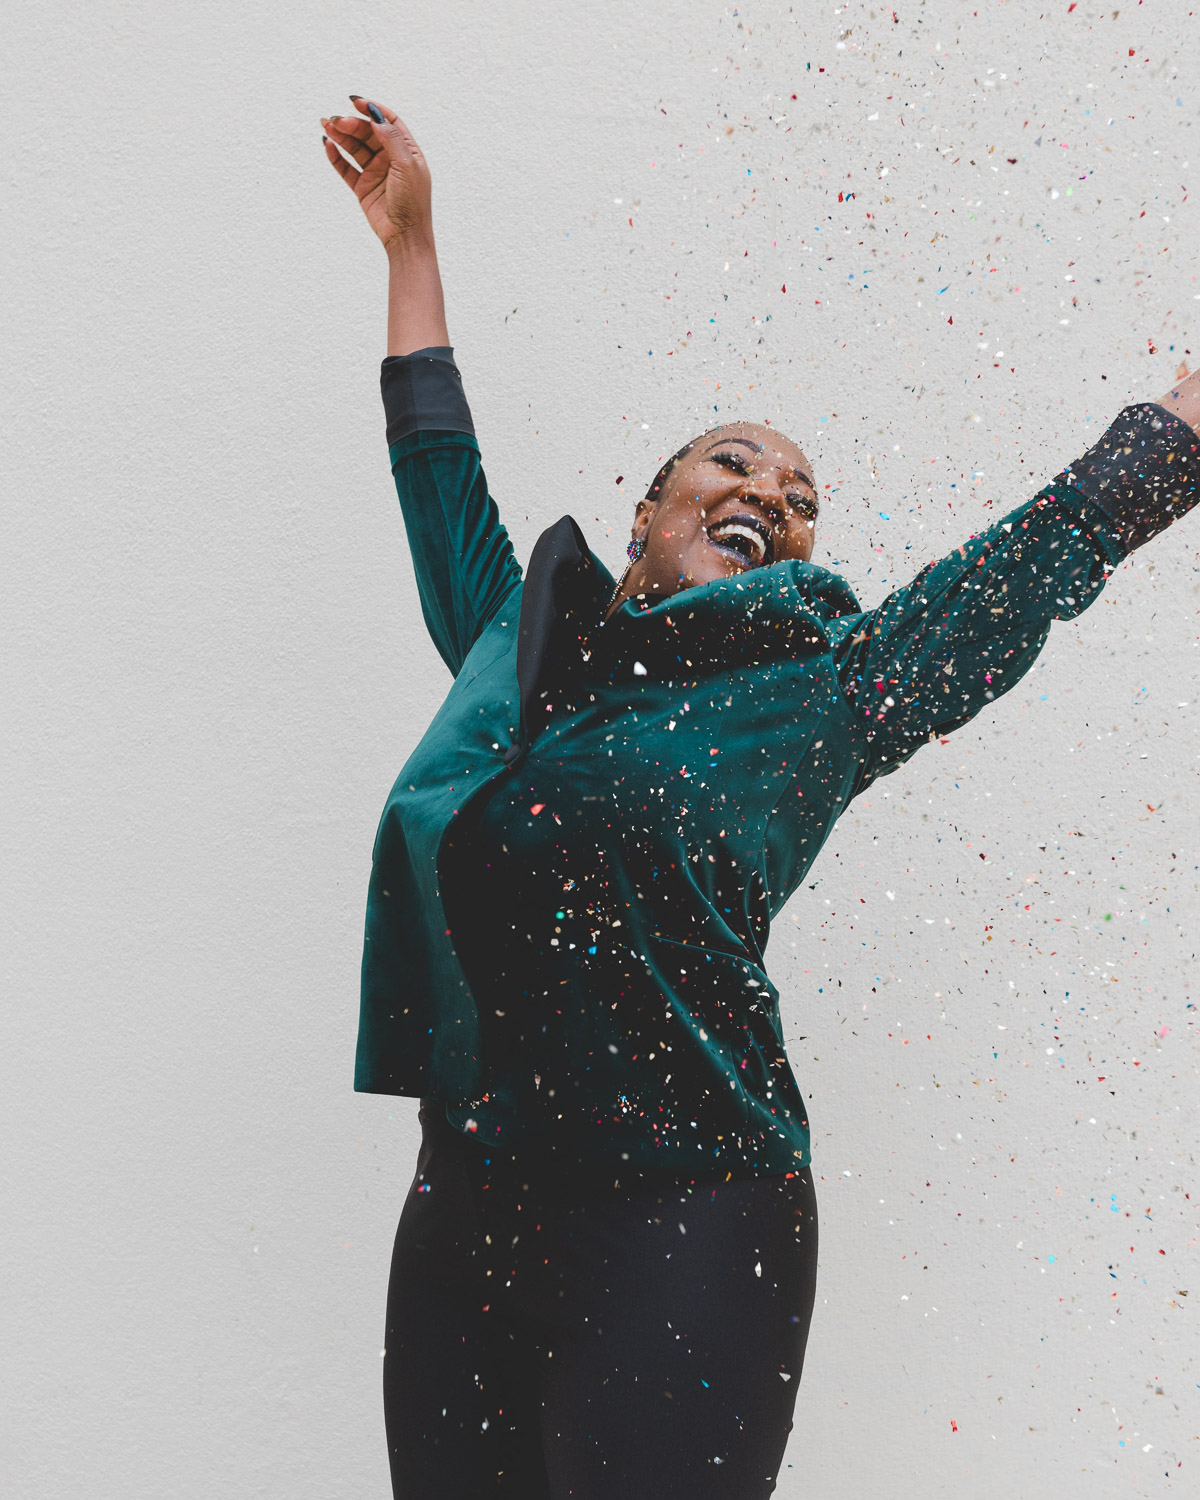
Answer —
735 528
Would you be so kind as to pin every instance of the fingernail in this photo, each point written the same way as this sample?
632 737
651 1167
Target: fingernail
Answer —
374 113
355 97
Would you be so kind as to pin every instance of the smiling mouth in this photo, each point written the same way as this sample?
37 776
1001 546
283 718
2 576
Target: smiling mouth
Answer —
744 538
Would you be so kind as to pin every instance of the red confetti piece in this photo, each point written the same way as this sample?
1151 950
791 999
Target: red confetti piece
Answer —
536 808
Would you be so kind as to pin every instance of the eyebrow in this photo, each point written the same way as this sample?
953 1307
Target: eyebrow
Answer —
757 448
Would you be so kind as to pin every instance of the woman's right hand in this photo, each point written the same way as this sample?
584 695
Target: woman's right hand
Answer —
391 180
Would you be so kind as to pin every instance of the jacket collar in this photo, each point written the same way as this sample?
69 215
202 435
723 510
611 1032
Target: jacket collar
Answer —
747 619
565 592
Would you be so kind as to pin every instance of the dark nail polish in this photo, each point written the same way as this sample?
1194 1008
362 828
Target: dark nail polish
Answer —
355 96
374 113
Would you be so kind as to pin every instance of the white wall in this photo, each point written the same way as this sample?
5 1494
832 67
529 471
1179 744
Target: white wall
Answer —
215 665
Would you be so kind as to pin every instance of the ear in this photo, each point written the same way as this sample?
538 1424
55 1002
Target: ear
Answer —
643 517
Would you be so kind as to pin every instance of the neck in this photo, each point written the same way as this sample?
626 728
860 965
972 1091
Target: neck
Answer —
632 585
621 592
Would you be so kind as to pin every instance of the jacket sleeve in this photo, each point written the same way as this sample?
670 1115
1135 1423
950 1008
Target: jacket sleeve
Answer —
463 558
969 626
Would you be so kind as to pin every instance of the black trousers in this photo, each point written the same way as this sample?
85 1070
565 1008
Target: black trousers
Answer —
549 1337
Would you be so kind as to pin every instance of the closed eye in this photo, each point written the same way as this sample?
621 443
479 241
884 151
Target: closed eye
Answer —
797 499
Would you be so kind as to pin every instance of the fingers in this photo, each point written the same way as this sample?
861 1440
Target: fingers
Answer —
377 148
393 135
354 136
345 171
360 103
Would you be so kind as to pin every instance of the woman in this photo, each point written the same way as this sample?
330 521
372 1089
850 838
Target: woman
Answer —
604 1271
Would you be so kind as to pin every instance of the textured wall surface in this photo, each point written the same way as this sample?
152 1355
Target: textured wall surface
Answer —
941 245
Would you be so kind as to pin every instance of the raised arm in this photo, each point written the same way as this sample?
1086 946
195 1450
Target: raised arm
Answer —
971 625
462 556
1183 400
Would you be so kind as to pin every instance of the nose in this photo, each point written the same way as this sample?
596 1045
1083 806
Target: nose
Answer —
767 492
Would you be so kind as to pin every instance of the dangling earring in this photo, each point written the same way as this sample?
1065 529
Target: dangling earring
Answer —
634 553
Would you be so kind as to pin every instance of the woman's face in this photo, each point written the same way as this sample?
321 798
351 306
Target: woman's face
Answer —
742 498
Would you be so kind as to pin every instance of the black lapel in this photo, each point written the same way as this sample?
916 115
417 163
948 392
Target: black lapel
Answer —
564 594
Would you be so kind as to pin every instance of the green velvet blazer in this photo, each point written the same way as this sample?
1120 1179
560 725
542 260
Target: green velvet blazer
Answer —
709 742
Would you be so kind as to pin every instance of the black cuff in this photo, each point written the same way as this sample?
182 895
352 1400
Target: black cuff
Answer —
1142 473
423 391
